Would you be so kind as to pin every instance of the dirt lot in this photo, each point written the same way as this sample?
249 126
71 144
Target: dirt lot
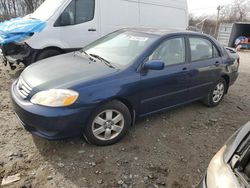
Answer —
170 149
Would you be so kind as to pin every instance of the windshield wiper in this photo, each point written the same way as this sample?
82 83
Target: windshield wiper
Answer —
103 60
82 51
85 53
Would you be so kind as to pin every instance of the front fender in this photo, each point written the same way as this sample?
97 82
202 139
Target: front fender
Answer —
121 88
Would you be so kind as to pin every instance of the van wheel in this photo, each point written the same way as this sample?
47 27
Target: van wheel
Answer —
47 53
216 95
108 124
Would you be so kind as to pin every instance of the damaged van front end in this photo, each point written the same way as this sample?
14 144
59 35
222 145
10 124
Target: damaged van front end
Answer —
13 36
15 53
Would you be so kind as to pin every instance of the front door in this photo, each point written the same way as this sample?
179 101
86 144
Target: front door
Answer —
168 87
82 23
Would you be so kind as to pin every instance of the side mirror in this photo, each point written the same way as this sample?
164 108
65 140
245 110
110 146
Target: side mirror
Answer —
65 19
154 65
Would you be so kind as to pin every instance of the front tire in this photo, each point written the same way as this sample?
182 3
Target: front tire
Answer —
108 124
217 93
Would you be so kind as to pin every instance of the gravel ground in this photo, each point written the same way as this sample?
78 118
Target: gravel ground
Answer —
169 149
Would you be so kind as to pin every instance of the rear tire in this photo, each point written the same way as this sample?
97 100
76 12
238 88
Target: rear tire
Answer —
108 124
217 93
47 53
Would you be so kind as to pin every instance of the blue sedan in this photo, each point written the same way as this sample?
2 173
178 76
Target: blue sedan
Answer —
100 90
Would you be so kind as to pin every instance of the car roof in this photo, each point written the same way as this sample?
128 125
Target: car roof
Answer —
162 32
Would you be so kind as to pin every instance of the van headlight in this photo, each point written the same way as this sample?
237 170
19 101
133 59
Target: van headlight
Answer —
55 98
220 174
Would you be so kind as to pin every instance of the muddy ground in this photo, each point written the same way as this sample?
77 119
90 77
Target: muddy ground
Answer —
170 149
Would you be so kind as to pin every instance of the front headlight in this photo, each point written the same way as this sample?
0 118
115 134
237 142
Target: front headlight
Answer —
219 174
55 98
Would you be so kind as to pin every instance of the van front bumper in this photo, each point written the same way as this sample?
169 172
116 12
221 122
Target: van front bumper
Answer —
15 53
49 123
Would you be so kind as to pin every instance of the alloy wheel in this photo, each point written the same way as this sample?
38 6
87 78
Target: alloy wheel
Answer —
108 125
218 92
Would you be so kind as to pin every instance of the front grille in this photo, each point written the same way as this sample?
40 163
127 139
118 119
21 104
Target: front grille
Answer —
23 88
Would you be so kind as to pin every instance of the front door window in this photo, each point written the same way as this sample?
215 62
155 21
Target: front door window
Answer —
172 52
77 12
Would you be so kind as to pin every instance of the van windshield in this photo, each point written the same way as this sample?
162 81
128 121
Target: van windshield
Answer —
121 48
47 9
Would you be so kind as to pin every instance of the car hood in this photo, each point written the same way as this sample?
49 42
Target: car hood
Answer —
64 71
236 140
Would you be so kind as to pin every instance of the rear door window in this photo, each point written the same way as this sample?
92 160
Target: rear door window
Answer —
201 49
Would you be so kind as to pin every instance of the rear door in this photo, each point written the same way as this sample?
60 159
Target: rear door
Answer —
161 89
205 66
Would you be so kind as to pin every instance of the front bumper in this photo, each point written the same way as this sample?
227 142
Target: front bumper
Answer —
49 123
15 53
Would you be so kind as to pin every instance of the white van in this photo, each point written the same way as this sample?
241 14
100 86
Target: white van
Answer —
72 24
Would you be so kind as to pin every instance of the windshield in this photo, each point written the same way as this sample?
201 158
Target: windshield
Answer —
121 48
47 9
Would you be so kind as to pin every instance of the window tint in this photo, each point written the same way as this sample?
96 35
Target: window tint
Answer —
171 51
201 49
79 11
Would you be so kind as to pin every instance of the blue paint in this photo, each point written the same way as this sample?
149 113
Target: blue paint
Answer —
145 91
154 65
18 29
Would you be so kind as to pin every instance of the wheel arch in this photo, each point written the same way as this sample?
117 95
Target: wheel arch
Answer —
127 103
52 48
47 48
227 79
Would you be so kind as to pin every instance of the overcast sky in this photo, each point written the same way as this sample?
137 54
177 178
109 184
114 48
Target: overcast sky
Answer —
199 7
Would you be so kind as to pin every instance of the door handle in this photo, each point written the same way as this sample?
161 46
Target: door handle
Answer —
184 69
92 29
217 64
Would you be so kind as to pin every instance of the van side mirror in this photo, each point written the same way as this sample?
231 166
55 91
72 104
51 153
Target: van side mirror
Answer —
154 65
64 19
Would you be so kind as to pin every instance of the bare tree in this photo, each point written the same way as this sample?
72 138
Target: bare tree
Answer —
29 4
235 12
14 8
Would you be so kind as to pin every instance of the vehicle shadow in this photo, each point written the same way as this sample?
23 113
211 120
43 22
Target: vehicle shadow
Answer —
80 163
83 164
